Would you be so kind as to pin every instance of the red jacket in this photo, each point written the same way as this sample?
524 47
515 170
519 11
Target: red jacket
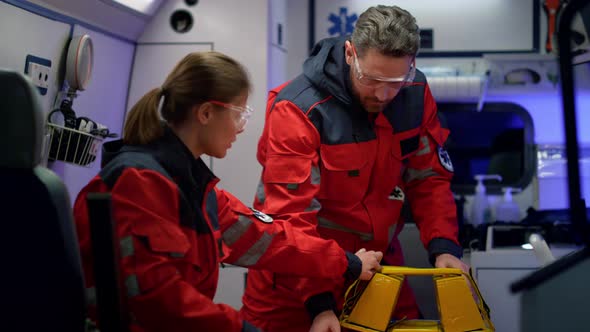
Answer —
175 228
335 172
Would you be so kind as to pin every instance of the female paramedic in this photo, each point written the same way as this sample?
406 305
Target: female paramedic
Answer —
174 225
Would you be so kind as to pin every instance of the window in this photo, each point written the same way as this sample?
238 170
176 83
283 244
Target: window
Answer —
497 140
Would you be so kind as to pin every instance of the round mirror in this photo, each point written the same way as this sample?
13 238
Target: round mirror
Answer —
79 62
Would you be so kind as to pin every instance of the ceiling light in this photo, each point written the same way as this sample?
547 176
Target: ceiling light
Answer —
145 7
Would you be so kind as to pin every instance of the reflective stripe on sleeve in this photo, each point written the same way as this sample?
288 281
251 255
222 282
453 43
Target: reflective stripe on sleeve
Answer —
314 206
127 248
256 251
323 222
132 285
426 148
391 231
260 192
91 296
235 231
315 175
416 174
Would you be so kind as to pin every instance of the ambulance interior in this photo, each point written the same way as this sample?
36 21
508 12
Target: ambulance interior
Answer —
493 66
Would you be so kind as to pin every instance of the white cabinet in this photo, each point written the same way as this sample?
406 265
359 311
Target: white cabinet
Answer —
494 285
495 271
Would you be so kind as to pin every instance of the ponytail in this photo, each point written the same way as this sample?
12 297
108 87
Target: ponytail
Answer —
143 124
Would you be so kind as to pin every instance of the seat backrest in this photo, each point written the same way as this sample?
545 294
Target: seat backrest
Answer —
42 283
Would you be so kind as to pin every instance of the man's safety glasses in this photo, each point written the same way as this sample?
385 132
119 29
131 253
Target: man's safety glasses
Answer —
244 112
376 81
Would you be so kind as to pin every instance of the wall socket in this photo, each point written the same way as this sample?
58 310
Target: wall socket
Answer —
39 70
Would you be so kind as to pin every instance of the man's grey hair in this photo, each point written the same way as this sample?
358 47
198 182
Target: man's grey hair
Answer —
388 29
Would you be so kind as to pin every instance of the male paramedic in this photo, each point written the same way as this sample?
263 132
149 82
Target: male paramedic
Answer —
344 145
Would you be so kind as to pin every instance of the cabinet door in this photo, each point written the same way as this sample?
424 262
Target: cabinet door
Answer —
513 22
494 284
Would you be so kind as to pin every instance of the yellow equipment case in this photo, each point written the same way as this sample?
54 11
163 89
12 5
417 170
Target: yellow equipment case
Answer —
369 305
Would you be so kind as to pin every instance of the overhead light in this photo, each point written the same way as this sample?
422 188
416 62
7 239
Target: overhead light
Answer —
527 246
145 7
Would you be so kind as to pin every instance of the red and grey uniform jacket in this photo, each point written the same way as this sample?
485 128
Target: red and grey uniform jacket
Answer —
335 171
175 228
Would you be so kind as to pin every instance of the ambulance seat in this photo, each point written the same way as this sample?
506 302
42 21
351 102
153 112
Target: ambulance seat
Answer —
42 287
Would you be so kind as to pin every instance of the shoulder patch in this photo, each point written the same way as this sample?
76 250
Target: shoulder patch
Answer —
445 159
265 218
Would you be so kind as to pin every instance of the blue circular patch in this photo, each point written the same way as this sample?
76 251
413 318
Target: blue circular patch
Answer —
445 159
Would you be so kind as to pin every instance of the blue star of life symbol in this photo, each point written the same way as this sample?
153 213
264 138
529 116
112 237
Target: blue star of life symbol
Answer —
343 23
445 159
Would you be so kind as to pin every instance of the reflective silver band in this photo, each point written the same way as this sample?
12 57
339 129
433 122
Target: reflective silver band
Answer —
323 222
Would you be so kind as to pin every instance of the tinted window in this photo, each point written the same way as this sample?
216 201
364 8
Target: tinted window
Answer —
497 140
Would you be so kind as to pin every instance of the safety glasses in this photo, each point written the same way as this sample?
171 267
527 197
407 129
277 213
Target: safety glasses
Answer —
244 112
376 81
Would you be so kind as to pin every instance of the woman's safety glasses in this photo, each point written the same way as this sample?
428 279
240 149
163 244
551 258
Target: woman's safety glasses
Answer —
244 113
376 81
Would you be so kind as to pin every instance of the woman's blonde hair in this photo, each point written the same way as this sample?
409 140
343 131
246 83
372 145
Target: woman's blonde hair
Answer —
197 78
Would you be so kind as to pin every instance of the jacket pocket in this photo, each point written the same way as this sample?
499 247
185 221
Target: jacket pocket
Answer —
165 251
170 242
344 172
163 238
287 170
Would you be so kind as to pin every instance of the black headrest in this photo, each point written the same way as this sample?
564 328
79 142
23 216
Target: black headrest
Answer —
23 121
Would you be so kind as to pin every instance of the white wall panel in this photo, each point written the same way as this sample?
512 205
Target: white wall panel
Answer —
458 25
297 35
22 33
153 62
278 44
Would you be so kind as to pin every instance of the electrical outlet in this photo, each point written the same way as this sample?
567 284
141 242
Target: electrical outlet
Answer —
39 70
39 75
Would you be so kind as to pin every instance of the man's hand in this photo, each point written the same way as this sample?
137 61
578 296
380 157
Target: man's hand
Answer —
370 260
450 261
325 322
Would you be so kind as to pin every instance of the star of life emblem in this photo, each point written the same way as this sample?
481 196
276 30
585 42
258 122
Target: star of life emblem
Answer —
445 159
343 23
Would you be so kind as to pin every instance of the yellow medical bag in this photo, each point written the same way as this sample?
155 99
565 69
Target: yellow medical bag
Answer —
368 306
